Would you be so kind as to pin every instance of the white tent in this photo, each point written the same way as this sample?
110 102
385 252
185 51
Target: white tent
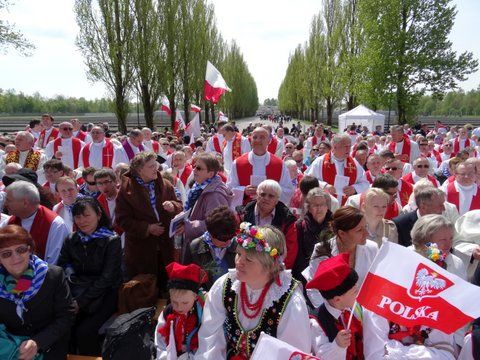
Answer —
361 115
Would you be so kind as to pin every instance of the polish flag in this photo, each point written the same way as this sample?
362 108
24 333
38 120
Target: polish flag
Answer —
409 289
179 122
166 105
215 85
269 347
195 108
193 127
222 117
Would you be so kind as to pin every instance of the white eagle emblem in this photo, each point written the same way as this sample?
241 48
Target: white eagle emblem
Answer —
428 283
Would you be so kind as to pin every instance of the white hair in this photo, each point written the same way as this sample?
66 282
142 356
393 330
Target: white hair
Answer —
290 163
27 135
339 138
24 190
270 185
426 226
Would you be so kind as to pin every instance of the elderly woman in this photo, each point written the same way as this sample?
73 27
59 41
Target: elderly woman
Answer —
91 258
145 206
267 209
312 228
36 309
207 193
374 204
214 251
258 295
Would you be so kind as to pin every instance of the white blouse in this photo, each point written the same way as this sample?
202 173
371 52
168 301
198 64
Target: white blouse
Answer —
293 328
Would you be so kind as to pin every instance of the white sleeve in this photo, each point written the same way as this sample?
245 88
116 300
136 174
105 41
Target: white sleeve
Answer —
40 171
245 146
467 349
2 166
361 182
119 156
287 186
160 343
307 147
49 150
88 139
56 236
415 151
294 325
80 158
321 345
313 168
232 178
212 342
375 335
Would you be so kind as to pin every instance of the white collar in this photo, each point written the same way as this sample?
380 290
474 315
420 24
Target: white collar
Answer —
333 311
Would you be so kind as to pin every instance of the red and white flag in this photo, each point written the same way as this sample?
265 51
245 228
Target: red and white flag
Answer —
193 127
215 85
269 347
165 105
409 289
195 108
179 122
222 117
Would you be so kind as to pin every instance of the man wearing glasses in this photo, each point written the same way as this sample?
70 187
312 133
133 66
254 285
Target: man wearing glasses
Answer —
421 168
426 153
464 192
65 148
394 167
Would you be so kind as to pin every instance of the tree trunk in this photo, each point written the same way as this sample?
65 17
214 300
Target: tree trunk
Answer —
351 102
207 115
147 106
329 112
120 109
212 108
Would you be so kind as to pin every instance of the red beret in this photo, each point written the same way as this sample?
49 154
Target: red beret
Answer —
331 273
191 272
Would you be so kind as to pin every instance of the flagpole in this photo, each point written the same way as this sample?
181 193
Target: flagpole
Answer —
351 315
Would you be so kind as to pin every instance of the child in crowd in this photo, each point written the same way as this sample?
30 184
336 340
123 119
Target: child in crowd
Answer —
332 338
183 315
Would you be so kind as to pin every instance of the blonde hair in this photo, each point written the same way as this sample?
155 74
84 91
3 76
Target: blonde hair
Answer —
275 239
373 192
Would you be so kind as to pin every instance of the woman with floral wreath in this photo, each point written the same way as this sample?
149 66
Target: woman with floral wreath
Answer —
258 295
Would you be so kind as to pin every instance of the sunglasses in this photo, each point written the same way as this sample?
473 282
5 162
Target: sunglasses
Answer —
423 166
393 168
20 251
66 129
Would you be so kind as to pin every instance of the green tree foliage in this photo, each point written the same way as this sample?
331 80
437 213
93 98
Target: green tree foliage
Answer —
270 102
407 51
454 103
11 37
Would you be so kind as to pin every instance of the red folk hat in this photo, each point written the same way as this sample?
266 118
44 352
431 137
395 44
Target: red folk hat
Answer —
334 277
189 277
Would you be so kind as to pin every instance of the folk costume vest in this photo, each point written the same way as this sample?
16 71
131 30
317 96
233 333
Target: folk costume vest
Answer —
31 161
42 142
332 326
453 196
241 342
107 154
40 228
76 147
405 149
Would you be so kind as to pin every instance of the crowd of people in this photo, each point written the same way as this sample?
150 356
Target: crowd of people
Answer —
271 229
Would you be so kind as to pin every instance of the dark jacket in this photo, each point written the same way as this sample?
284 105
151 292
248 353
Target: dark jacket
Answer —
47 318
199 253
404 225
133 213
309 233
96 268
283 220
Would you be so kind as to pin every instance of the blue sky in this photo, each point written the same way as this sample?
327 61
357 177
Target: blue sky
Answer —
267 31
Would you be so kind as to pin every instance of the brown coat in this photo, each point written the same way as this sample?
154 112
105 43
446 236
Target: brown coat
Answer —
145 253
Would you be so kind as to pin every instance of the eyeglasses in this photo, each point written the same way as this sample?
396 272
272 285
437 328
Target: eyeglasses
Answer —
447 145
393 168
199 168
316 149
66 129
19 250
96 132
91 183
100 183
267 195
422 166
423 144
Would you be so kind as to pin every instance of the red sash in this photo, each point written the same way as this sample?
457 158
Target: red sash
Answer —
438 157
76 147
405 149
329 170
392 211
244 169
453 197
81 135
107 154
216 144
236 146
186 173
272 147
369 176
405 191
40 228
42 142
155 146
456 145
102 199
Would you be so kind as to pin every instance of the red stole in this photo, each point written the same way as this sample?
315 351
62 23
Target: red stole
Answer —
216 144
186 173
329 170
236 146
456 144
42 142
409 179
40 228
405 191
272 147
102 199
107 154
244 169
453 196
155 146
369 176
76 147
81 135
315 140
405 149
392 211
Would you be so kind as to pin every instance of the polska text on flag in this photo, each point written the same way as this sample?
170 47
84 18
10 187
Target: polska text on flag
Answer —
215 85
421 293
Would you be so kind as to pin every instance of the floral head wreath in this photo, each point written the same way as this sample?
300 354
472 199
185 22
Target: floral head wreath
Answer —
436 255
251 237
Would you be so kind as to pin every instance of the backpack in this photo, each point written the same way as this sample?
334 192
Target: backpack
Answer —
131 336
